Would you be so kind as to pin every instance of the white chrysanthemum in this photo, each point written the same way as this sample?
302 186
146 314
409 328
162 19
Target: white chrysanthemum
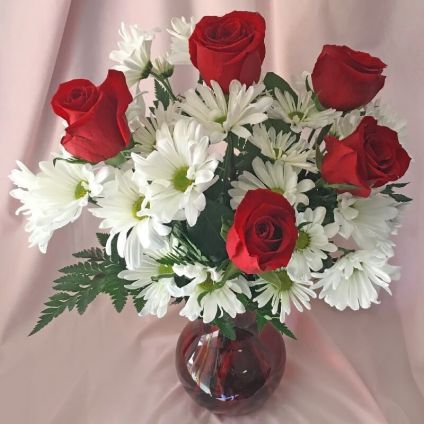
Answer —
125 207
277 176
312 245
133 54
136 110
245 106
353 281
345 125
282 291
162 67
215 298
155 279
300 113
145 134
180 169
368 221
386 117
54 197
180 33
284 147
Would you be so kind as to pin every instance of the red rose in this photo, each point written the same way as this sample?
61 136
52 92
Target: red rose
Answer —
345 79
97 128
229 47
264 232
370 157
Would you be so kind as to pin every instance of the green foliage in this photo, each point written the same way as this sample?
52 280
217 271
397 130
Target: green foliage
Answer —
225 325
207 232
161 94
400 198
82 282
273 81
264 315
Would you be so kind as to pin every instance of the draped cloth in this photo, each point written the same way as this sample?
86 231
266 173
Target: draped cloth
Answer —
108 368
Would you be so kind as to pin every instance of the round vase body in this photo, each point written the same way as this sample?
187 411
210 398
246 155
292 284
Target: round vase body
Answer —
231 377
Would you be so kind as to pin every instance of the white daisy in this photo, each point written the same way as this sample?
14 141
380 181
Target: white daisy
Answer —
300 113
136 110
55 196
215 296
155 279
133 54
278 177
284 147
353 281
144 135
346 124
180 33
366 220
245 106
124 207
162 67
181 169
312 245
282 291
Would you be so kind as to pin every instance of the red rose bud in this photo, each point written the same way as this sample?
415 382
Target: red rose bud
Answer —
228 48
345 79
264 232
369 157
97 127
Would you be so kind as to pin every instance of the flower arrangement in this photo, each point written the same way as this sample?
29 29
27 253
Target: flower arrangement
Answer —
243 193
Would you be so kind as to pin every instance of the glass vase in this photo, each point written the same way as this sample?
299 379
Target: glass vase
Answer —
231 377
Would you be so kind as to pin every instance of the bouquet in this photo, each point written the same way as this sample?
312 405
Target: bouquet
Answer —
244 193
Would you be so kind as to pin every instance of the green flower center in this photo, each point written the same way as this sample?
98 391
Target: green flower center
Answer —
282 281
278 190
303 240
180 180
207 285
81 189
136 208
165 269
220 119
296 115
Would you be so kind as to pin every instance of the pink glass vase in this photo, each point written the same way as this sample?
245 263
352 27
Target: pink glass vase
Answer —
231 377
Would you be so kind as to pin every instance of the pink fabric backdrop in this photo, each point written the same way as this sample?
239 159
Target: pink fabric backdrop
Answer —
350 368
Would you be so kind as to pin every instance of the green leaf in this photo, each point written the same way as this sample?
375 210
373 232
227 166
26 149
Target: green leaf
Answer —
261 321
94 254
57 304
206 234
226 326
117 160
161 94
83 282
139 303
90 293
102 238
400 198
282 328
318 157
322 134
273 81
85 268
115 287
